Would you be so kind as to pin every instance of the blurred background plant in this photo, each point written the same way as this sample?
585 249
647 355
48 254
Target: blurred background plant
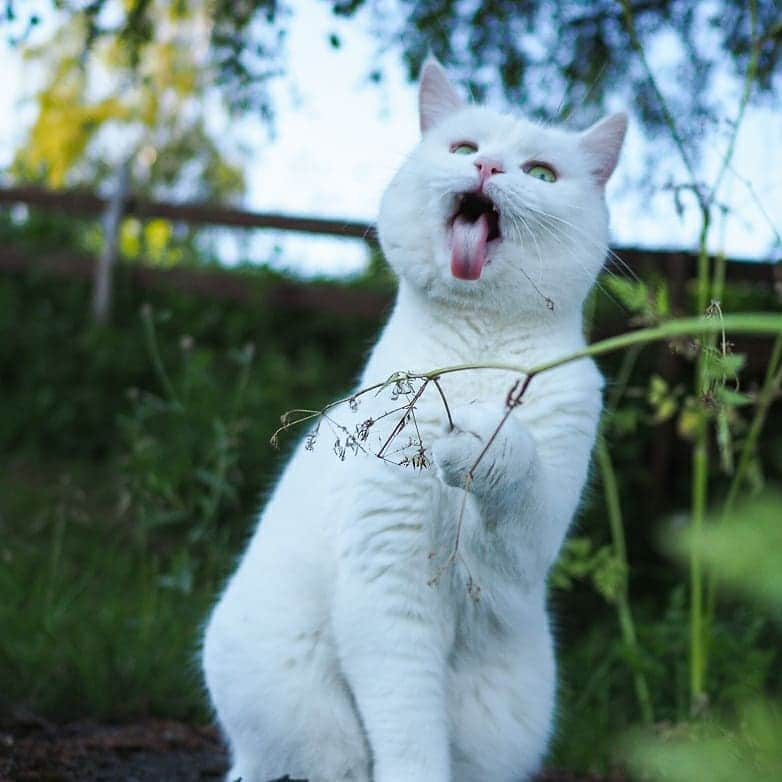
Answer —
744 550
135 453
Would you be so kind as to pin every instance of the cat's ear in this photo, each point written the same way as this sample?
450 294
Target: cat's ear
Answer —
603 142
437 97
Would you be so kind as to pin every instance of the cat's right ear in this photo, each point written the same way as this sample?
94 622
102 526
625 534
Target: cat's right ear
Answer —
437 97
603 141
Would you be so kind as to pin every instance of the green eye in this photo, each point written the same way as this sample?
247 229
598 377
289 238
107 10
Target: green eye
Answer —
464 148
540 171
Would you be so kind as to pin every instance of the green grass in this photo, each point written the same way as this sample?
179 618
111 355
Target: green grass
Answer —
91 624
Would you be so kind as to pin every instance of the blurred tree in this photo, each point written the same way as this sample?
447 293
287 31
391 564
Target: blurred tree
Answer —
552 56
140 95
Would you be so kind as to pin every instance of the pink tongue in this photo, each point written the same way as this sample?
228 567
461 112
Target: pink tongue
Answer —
468 247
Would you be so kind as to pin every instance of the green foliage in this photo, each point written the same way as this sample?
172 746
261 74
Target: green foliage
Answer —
162 422
133 458
552 58
648 303
580 559
167 447
87 627
744 551
750 751
182 454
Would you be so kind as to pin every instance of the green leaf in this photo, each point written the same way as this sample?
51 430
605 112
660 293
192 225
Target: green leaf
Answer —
745 550
749 752
609 574
662 305
634 295
719 366
731 398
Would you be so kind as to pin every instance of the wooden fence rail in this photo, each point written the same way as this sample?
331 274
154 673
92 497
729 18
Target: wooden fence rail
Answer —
677 266
86 203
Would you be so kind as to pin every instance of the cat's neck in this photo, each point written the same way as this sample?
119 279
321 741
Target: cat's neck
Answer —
422 333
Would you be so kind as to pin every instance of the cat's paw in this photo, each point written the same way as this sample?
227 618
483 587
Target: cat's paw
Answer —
506 460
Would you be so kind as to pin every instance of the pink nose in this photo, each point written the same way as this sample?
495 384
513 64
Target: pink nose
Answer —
488 167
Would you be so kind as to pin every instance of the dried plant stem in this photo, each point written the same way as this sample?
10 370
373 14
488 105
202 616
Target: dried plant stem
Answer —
761 323
405 415
457 536
514 399
757 323
436 381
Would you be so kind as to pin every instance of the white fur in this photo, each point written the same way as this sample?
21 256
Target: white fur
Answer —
331 655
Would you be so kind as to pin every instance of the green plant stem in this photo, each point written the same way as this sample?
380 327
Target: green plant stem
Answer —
769 390
700 463
624 612
718 280
768 393
699 499
701 611
154 352
759 323
218 483
616 526
622 379
699 489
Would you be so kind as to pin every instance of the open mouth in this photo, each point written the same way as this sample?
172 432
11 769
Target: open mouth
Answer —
475 223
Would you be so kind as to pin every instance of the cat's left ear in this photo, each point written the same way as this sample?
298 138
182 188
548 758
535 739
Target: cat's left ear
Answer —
437 97
603 142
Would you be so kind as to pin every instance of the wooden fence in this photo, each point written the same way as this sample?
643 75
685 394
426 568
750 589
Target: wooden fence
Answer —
678 267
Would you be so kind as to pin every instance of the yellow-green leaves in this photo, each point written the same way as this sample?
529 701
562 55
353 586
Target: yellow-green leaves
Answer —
662 399
65 126
151 241
99 108
648 302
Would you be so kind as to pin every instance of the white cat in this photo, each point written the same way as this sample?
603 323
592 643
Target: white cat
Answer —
344 647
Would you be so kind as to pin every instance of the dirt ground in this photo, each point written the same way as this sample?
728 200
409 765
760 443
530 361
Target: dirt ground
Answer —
34 750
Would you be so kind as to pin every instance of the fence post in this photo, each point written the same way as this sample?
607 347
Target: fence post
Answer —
112 216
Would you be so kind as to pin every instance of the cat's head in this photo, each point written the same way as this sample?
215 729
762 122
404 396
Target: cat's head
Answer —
490 210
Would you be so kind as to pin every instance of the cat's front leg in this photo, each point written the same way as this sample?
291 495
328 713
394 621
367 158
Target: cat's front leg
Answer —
504 468
393 631
519 524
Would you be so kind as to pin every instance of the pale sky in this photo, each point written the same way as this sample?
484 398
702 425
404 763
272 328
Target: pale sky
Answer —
338 140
